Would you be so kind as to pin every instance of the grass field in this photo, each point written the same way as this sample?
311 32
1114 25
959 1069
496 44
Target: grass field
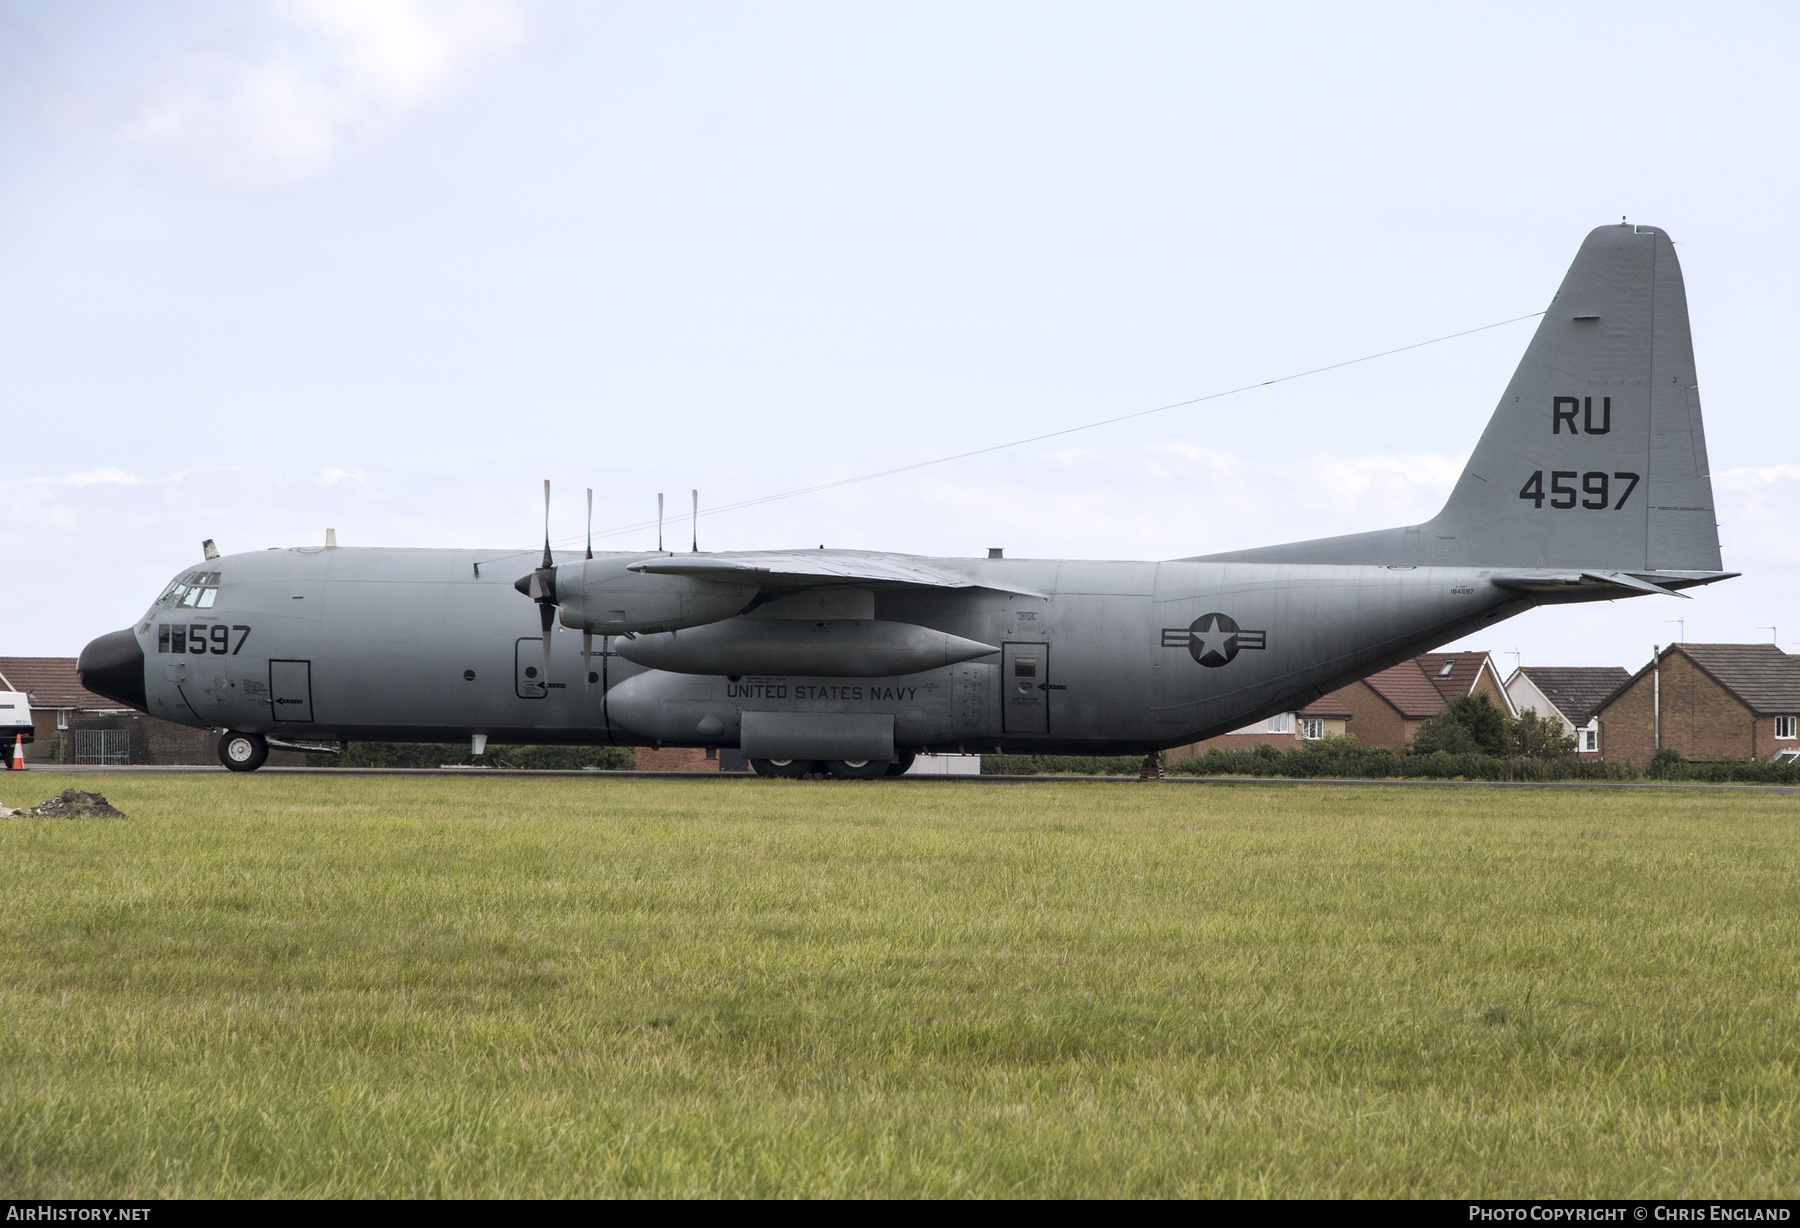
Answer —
413 986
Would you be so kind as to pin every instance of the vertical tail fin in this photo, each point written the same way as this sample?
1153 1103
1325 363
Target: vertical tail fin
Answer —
1595 457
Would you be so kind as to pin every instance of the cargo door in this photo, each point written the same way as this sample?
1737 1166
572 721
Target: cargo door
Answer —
290 690
1025 688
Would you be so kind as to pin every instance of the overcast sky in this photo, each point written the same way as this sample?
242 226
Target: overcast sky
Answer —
383 266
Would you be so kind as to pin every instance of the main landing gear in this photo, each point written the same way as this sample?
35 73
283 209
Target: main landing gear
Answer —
838 769
242 752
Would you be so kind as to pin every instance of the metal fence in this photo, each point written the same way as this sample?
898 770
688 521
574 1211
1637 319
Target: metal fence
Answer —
102 746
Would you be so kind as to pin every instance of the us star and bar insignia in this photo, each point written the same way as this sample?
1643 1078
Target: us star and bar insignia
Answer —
1214 639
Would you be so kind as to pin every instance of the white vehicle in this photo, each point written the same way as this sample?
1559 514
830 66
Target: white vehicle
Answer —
15 719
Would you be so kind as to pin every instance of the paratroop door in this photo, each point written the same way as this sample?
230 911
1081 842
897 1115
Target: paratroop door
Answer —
290 690
1025 688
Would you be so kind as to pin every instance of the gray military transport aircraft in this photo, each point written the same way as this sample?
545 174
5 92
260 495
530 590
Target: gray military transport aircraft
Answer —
1590 483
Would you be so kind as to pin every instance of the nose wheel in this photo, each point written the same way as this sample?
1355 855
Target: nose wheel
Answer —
242 752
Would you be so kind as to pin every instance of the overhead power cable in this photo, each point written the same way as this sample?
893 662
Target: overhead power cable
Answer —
1067 430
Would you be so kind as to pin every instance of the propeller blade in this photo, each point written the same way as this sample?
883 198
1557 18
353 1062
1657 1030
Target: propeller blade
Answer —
546 616
540 586
587 657
548 562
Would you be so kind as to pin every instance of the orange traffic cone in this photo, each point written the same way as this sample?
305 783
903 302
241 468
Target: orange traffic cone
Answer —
18 759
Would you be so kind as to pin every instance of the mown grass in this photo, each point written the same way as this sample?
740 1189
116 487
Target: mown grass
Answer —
413 986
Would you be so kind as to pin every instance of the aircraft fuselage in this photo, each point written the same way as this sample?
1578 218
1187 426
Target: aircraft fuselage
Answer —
1094 657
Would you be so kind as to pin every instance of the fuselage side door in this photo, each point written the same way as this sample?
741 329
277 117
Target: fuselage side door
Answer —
290 690
1025 688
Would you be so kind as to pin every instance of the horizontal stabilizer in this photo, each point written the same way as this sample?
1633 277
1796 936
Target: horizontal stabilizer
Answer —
1583 583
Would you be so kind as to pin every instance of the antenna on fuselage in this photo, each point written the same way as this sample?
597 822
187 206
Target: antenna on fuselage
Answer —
659 519
696 522
590 552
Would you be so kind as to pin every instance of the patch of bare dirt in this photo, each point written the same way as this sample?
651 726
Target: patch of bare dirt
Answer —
69 804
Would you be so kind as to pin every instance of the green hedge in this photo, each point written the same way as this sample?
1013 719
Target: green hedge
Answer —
1342 759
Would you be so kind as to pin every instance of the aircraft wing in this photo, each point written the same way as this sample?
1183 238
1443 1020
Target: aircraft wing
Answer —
791 570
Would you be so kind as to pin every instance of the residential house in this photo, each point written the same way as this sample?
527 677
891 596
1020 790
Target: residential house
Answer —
1572 694
1706 702
1285 730
1384 709
1389 707
71 724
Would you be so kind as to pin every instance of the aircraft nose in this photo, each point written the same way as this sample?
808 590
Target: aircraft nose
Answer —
113 666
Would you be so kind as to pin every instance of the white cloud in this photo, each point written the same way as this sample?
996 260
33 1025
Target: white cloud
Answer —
1749 477
101 477
1757 507
331 70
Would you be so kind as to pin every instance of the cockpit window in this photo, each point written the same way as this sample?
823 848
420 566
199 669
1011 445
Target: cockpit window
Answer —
194 591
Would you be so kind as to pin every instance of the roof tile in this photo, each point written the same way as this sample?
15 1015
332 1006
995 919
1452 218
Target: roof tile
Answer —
1764 677
1407 688
1577 690
52 682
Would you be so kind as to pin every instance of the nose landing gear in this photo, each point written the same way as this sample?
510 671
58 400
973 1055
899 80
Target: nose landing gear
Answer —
242 752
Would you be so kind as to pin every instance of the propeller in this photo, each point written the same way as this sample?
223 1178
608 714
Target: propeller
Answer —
540 586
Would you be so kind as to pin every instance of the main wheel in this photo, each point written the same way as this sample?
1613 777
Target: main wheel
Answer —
787 769
242 752
857 769
899 766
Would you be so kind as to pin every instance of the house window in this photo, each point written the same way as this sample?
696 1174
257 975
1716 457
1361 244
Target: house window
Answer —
62 718
1449 668
1312 728
1784 726
1590 738
1284 723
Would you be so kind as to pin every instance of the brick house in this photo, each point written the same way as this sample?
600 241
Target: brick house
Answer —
1571 694
1390 706
1384 709
71 724
1706 702
1284 731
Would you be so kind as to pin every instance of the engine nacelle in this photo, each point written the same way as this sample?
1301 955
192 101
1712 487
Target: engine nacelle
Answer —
815 648
602 596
